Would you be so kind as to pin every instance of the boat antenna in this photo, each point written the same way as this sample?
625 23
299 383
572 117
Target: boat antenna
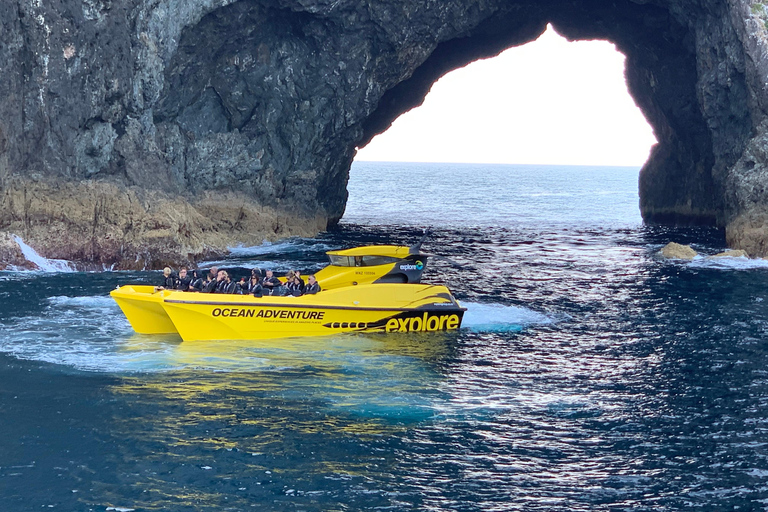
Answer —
416 248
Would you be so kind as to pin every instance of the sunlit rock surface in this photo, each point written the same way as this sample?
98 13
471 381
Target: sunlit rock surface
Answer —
733 253
140 132
677 251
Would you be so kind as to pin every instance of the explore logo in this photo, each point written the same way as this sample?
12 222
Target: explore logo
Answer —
423 323
418 266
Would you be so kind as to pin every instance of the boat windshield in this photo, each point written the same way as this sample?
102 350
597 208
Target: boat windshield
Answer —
360 261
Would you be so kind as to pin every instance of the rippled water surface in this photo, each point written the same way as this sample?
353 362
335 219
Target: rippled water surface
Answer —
589 375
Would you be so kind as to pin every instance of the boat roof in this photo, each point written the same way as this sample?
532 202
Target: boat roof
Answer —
395 251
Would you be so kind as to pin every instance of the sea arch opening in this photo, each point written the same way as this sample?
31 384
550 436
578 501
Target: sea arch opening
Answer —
553 109
550 101
682 180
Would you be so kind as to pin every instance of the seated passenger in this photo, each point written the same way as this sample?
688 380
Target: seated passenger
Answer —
270 283
208 286
226 284
253 286
288 281
217 284
184 280
294 287
196 285
211 280
168 282
301 280
312 286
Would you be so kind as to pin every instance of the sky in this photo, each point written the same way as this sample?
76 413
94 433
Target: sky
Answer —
547 102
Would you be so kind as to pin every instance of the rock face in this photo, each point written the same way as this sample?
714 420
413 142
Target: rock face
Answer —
677 251
733 253
141 132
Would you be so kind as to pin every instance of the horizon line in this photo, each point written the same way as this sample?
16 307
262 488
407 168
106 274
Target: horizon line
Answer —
495 163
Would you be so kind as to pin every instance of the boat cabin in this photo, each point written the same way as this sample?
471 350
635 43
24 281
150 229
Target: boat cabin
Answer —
372 264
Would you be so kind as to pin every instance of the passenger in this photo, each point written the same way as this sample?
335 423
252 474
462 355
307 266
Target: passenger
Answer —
226 284
312 286
293 287
184 280
255 274
168 282
301 280
254 285
208 285
270 283
284 290
213 273
196 285
215 284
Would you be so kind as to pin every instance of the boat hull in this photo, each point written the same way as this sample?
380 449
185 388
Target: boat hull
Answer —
364 308
143 307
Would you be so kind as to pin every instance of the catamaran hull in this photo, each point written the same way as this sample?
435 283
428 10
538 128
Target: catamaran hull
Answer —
143 307
364 308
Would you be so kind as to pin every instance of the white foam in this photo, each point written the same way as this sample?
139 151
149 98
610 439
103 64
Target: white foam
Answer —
500 318
293 244
97 301
729 263
43 264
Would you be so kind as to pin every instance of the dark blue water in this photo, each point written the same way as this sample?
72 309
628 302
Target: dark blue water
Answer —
590 375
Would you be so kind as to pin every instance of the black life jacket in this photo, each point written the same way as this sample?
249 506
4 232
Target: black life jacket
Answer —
183 283
227 287
196 285
169 282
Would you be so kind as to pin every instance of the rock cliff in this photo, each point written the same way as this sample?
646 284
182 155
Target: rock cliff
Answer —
140 132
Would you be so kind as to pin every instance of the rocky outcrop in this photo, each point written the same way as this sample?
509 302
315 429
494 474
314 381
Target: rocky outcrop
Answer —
141 132
677 251
733 253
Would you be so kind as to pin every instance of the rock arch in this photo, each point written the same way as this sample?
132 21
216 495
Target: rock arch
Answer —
183 127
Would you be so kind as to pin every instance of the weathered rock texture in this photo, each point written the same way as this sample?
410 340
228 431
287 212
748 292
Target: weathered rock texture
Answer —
677 251
146 131
733 253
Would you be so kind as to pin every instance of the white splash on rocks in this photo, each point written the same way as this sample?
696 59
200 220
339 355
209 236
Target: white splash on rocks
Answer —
43 264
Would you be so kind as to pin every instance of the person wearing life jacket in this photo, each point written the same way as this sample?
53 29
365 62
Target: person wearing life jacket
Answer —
302 284
226 284
270 283
312 286
213 284
196 285
168 282
254 286
293 286
183 281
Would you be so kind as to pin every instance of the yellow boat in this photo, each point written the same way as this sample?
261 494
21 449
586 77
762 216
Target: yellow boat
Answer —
365 289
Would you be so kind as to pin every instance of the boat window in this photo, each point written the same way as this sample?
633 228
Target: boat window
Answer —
372 261
341 261
360 261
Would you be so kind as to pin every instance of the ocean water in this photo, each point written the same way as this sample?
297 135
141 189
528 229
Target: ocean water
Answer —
589 375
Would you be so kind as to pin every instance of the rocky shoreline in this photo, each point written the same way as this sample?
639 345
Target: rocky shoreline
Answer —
99 224
675 251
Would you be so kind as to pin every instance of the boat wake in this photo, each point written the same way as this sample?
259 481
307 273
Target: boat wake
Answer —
85 333
500 318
